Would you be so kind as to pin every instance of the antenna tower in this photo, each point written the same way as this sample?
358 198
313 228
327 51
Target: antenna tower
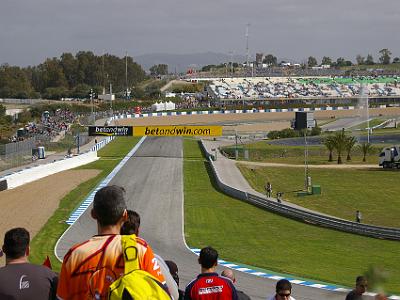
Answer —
247 44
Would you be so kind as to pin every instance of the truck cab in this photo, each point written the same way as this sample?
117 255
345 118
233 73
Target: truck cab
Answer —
390 157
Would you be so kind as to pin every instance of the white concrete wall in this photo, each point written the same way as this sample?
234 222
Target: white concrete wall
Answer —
38 172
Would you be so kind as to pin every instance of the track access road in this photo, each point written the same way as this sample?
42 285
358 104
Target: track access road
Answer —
153 180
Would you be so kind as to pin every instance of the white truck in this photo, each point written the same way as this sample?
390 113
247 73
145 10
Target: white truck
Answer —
390 157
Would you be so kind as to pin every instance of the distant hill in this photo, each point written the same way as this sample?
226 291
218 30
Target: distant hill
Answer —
183 62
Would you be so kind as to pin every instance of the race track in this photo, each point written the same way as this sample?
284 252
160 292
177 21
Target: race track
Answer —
153 179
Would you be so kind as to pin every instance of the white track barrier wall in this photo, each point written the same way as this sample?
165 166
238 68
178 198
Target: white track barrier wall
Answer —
30 174
38 172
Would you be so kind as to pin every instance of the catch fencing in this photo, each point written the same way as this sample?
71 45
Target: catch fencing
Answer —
16 154
19 153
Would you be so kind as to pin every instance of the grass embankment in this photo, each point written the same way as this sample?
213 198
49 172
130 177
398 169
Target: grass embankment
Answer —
44 242
373 192
317 155
383 131
244 233
364 125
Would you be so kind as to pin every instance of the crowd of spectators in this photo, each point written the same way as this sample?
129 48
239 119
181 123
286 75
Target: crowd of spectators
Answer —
265 88
91 269
192 102
49 125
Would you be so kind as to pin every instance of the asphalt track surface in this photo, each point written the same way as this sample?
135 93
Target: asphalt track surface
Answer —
153 180
343 123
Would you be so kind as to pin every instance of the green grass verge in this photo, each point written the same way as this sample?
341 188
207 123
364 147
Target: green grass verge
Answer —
373 192
44 242
244 233
382 131
364 125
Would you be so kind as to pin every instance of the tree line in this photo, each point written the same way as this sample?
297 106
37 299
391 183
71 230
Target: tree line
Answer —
343 143
69 76
385 58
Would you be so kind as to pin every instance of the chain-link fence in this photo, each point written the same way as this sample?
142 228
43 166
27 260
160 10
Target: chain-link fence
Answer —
16 154
20 153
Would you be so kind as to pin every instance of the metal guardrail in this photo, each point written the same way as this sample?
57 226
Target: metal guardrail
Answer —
304 215
325 221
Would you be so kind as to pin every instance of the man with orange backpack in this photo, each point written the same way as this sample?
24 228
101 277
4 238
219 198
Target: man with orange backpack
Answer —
90 268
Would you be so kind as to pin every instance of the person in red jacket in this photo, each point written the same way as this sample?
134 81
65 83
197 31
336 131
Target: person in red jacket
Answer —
209 285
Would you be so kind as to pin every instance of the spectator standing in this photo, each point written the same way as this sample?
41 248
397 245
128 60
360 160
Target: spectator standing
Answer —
89 268
359 290
268 189
20 279
283 290
358 216
208 284
131 226
228 273
279 197
173 269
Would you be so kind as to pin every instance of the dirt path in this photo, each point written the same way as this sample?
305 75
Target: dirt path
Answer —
32 204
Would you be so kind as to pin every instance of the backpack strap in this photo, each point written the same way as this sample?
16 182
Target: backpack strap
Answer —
130 252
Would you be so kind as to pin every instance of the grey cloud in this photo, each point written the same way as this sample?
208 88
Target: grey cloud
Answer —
32 30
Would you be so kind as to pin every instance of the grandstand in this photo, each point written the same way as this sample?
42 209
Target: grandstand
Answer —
261 89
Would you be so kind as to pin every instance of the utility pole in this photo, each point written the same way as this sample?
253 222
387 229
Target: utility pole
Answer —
104 79
305 160
367 107
364 100
91 102
247 45
236 146
111 100
231 53
126 74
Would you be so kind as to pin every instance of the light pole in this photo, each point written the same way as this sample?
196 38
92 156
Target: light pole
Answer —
306 172
236 146
92 106
367 105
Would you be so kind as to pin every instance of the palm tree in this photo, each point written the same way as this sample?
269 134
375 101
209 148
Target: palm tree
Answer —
340 142
350 142
330 145
365 148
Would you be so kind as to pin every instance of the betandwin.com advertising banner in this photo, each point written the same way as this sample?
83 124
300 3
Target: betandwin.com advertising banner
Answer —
110 131
155 130
177 130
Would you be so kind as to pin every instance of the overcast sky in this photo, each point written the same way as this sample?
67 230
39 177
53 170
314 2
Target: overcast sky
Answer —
31 30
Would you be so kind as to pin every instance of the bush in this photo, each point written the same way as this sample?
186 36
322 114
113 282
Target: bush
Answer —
316 131
283 134
291 133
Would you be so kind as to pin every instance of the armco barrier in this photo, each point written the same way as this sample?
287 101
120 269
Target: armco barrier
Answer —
40 171
101 144
306 216
238 111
